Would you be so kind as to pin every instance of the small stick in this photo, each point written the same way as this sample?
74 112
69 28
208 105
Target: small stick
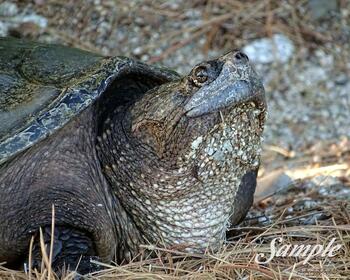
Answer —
43 251
30 257
52 240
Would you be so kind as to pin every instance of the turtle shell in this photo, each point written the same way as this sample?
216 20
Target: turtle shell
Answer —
43 86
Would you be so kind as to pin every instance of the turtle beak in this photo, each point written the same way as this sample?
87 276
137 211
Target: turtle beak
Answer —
236 83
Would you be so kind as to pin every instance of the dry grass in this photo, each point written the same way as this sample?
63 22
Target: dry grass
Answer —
236 260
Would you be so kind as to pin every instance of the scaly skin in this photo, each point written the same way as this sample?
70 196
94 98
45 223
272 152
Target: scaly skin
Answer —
183 160
63 170
176 165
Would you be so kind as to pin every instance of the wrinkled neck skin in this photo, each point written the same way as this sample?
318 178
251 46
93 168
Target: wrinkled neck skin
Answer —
179 184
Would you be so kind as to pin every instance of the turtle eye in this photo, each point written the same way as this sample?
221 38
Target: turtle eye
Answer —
200 75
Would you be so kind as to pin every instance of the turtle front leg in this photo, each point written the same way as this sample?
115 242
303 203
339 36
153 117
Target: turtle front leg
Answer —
244 197
73 250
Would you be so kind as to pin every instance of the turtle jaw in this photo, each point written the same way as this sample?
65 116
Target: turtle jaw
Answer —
237 83
188 109
194 200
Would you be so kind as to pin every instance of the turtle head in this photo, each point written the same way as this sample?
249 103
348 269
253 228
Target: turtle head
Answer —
173 117
191 144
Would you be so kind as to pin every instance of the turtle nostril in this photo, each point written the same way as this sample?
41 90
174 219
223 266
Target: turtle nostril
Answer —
241 56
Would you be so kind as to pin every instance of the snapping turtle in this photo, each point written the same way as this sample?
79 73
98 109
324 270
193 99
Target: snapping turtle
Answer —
126 152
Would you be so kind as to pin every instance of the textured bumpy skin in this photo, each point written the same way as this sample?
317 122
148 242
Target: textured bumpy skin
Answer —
126 152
